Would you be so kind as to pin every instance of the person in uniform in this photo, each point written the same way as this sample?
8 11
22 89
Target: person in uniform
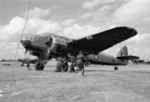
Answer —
59 67
86 63
72 60
80 60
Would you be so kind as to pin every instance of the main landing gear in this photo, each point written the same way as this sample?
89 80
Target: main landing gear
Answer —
39 66
62 65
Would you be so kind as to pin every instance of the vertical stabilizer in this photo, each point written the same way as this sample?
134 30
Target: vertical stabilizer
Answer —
123 52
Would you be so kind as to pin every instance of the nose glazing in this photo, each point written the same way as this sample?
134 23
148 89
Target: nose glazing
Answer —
26 43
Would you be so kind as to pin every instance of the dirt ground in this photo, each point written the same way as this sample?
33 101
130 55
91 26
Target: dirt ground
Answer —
100 84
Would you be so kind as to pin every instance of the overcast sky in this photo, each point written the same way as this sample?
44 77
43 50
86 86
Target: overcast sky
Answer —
74 19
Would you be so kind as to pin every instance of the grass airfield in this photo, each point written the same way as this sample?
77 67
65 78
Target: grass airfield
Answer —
100 84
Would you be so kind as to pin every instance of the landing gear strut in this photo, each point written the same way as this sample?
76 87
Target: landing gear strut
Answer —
65 67
62 66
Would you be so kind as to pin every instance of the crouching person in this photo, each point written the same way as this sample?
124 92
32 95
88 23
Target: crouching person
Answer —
60 63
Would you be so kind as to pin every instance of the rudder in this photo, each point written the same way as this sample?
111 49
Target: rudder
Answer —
123 52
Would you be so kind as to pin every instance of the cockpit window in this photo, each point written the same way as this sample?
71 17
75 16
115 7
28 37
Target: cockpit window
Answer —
45 34
30 37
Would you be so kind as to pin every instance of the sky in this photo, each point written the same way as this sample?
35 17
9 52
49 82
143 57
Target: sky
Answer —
74 19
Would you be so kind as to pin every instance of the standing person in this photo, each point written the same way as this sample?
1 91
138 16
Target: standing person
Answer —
80 60
28 66
72 60
86 63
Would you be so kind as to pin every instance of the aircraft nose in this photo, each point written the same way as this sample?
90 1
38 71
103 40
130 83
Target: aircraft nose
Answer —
26 43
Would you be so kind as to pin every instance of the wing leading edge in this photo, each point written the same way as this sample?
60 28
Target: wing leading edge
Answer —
103 40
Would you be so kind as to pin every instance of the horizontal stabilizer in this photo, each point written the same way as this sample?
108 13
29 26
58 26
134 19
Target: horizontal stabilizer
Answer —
128 57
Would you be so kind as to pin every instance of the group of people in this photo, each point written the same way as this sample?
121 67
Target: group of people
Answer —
77 63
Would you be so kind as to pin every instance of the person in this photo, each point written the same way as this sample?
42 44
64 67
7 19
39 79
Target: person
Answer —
28 66
62 65
59 64
72 60
80 60
86 63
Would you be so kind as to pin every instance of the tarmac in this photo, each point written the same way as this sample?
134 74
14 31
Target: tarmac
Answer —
130 83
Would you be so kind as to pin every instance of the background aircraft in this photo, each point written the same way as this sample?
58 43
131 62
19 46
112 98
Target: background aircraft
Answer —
47 46
27 61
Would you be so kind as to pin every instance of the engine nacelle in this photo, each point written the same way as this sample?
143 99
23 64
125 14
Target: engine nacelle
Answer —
58 46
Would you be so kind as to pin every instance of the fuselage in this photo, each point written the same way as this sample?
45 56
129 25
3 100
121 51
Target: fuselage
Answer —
102 58
50 46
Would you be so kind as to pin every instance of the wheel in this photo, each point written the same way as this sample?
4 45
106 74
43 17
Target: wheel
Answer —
65 67
61 67
115 68
39 66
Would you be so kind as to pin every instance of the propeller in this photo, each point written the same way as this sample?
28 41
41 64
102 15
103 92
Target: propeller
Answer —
28 7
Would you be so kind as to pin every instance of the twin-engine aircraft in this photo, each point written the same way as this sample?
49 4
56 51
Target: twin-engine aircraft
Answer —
48 46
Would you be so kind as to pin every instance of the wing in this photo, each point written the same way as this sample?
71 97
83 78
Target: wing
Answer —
103 40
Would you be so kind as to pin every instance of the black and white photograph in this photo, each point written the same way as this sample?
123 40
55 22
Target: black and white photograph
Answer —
74 50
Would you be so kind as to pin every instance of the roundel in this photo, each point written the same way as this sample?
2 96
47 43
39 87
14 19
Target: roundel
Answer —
96 57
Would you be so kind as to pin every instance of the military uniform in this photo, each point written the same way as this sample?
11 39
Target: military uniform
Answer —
72 60
80 60
59 67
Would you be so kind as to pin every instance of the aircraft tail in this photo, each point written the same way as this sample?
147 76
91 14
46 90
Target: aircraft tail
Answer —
123 54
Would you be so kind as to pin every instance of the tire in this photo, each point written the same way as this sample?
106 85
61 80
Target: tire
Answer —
65 67
60 67
39 66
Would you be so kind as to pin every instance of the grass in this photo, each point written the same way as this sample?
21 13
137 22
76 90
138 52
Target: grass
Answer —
100 84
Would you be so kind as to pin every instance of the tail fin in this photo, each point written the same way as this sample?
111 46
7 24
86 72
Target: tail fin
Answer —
123 52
